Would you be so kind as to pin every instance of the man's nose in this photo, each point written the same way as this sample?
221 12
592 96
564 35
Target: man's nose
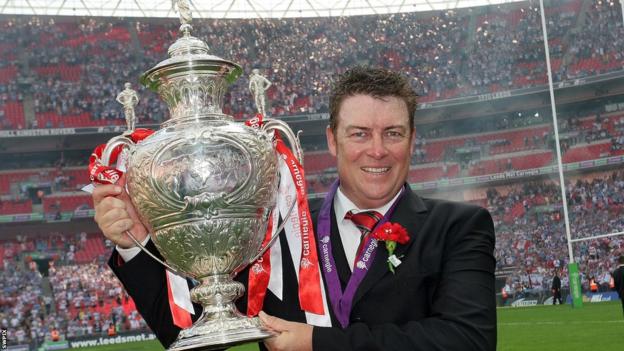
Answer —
378 147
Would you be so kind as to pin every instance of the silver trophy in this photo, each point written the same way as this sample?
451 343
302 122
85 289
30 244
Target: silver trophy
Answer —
203 185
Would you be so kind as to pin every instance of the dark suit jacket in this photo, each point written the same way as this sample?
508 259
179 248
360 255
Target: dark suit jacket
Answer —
440 298
618 281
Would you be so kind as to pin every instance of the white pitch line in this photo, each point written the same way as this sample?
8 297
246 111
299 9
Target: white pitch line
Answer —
561 322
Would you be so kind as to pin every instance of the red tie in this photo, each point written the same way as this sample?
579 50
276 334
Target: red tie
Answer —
365 221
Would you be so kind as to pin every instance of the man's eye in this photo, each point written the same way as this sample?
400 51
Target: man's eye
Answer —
358 134
394 134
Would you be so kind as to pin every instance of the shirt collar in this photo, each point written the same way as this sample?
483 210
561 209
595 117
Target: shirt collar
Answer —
342 204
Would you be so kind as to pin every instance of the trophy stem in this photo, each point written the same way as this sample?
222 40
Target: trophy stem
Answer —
221 325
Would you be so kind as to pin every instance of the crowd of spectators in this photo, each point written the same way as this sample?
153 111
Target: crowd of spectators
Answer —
596 205
502 56
595 39
85 299
22 307
445 57
90 299
590 128
530 231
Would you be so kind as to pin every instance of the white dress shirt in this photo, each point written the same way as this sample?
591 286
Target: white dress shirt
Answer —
128 254
349 233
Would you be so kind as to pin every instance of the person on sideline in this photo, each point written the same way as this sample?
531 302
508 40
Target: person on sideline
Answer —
556 289
618 279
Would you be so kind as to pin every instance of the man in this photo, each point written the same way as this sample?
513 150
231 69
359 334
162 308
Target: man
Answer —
439 297
618 279
556 289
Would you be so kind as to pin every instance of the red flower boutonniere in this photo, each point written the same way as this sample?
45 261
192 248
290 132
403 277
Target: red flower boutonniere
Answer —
391 233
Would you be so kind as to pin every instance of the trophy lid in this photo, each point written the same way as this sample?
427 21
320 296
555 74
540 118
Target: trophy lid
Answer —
189 55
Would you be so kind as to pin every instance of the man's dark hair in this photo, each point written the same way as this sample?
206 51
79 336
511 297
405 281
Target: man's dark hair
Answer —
621 259
373 81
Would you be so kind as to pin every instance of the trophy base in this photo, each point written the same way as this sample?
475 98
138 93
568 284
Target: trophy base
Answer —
220 334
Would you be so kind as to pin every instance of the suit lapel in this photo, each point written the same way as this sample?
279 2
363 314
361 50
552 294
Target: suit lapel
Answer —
412 217
410 213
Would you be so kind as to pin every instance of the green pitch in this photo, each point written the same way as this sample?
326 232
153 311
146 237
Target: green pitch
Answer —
131 346
154 345
596 326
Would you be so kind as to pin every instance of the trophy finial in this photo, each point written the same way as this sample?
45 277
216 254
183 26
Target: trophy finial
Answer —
191 81
128 98
186 44
184 10
258 85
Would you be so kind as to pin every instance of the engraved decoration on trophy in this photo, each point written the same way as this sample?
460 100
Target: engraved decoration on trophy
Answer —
258 85
203 185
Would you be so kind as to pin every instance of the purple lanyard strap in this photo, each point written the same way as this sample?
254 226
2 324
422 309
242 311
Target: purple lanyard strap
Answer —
342 302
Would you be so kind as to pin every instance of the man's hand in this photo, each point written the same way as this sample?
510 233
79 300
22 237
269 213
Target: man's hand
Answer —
290 336
114 214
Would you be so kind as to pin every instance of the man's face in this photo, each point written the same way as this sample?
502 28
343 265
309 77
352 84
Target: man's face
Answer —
373 146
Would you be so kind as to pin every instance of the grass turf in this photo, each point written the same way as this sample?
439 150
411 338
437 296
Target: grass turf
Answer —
154 345
595 326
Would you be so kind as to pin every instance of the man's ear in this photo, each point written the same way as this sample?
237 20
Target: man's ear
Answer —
331 140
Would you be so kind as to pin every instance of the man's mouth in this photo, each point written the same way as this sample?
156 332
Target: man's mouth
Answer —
376 170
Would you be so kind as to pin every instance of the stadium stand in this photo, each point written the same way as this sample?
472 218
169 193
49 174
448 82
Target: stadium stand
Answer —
77 66
79 297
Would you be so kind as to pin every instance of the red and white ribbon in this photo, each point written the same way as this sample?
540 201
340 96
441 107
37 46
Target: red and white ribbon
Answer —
179 298
259 272
301 242
106 174
300 237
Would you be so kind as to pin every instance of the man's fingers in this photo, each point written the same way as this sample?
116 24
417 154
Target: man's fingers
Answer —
116 227
267 319
115 214
273 323
104 208
112 216
271 330
121 226
104 190
290 336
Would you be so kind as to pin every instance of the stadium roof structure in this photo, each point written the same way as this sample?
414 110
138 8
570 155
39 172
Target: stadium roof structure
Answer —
232 8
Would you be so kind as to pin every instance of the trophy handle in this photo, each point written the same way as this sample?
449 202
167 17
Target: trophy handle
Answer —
295 144
112 145
293 139
105 159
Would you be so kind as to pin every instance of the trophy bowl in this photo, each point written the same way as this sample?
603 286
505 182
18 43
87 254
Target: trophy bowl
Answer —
205 190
